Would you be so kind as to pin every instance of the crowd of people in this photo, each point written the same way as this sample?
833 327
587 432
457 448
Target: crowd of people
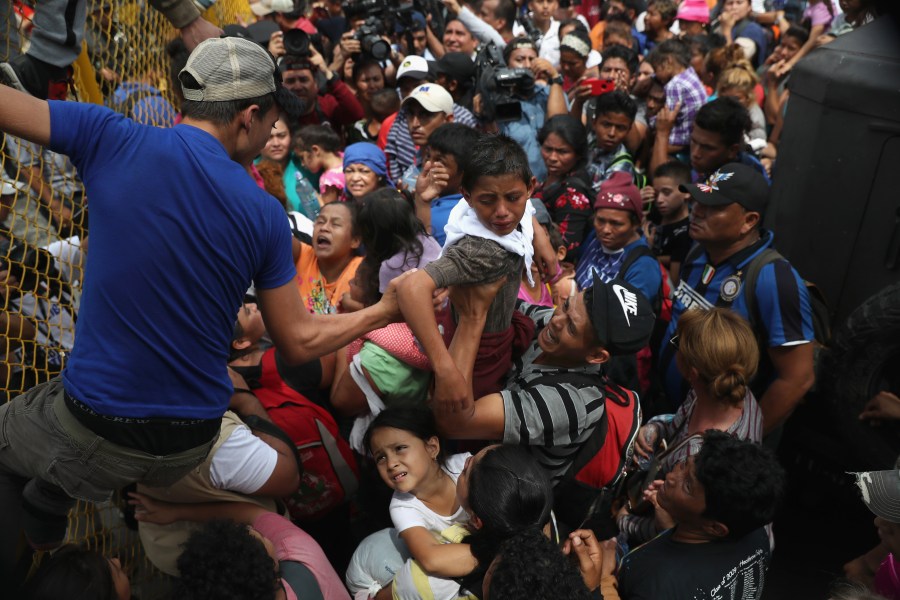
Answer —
468 299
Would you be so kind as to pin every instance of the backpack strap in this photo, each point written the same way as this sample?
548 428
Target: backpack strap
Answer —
639 179
622 158
342 469
751 275
256 423
632 257
597 437
692 255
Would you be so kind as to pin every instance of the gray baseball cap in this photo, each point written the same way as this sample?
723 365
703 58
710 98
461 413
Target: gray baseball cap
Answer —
233 68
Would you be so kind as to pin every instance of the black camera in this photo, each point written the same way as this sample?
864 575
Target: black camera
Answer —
511 84
370 39
531 31
500 87
296 43
367 8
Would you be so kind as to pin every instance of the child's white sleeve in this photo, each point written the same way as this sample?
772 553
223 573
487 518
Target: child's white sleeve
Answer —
406 515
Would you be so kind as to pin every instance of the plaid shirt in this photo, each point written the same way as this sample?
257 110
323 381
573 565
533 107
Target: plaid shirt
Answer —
686 88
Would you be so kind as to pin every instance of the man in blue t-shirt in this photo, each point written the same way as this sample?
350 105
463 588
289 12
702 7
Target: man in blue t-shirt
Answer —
178 232
725 222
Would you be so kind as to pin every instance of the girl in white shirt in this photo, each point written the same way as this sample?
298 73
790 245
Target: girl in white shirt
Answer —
410 460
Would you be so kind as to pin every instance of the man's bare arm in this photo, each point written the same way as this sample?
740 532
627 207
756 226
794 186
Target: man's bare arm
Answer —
486 419
301 336
796 375
24 116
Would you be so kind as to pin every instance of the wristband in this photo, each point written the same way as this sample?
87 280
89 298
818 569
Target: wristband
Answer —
559 272
558 80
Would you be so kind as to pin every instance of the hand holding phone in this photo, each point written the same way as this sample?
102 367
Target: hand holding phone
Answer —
600 86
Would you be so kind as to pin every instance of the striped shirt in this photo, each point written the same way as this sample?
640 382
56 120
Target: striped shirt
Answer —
552 419
400 148
785 316
674 428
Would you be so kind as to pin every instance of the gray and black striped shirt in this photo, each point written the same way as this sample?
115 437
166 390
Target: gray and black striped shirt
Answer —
553 419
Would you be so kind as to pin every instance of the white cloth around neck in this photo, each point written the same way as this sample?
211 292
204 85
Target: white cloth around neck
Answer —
463 221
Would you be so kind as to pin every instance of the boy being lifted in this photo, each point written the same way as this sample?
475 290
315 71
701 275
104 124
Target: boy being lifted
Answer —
491 234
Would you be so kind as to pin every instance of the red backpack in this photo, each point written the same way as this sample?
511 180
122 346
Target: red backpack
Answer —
599 465
329 474
605 466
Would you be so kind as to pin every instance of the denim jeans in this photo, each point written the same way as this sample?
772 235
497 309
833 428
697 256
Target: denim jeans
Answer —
48 459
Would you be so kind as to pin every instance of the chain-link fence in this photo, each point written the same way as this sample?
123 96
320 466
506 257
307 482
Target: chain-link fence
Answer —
125 64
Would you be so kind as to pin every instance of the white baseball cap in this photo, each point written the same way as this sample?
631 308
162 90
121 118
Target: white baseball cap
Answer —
413 66
267 7
432 97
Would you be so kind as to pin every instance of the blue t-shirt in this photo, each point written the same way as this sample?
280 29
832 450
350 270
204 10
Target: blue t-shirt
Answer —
440 214
178 231
781 298
644 273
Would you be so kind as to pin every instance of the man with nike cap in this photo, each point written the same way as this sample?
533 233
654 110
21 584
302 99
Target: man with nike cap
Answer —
555 394
726 223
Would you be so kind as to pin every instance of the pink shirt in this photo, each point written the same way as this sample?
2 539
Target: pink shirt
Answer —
818 14
292 543
887 578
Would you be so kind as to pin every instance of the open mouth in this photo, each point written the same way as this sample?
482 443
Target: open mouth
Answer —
549 337
398 477
322 242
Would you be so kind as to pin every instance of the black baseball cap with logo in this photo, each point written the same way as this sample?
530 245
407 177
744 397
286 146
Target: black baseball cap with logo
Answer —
621 317
730 184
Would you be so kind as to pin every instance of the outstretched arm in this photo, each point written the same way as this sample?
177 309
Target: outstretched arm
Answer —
485 421
150 510
301 336
414 297
24 116
185 15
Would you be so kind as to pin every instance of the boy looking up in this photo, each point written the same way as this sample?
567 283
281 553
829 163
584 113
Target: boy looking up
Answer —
614 116
489 237
671 241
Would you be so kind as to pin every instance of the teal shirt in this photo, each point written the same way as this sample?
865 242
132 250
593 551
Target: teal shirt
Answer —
290 182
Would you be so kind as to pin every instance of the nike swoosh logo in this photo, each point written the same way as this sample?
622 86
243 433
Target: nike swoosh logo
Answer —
626 302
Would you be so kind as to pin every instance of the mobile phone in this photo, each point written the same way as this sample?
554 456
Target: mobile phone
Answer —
600 86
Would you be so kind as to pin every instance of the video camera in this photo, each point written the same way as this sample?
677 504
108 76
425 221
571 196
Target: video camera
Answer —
501 88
